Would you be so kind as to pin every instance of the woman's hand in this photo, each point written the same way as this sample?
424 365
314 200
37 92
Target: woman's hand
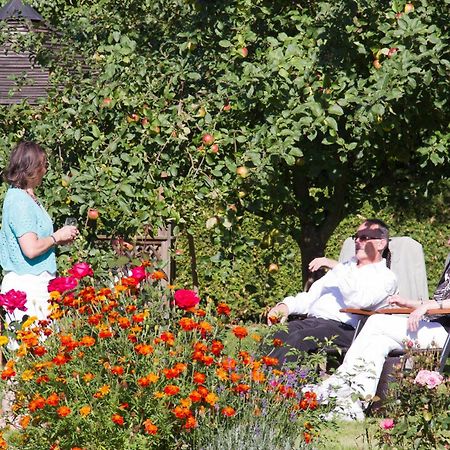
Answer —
318 263
416 316
278 314
66 234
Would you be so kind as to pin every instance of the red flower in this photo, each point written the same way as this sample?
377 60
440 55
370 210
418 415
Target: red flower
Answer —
240 332
117 419
139 273
62 284
185 298
81 270
13 300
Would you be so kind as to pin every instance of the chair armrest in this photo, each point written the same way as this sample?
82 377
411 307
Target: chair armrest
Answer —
366 312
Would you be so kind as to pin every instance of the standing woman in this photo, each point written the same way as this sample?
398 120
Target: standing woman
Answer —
27 239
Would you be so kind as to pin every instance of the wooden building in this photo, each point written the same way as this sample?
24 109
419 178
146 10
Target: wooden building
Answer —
20 77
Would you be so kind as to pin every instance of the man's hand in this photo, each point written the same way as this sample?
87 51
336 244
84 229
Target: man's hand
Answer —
318 263
396 300
278 314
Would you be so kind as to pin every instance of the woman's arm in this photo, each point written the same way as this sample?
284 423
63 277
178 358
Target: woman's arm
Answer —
32 246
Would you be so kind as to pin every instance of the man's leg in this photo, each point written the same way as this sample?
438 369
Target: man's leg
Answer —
320 329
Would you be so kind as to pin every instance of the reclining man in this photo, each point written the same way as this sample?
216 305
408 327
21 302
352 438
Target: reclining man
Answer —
360 372
362 282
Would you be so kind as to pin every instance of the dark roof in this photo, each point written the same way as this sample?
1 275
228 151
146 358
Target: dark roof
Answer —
16 9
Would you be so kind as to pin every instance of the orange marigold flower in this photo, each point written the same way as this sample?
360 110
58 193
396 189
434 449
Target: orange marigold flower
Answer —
211 398
23 422
85 410
138 318
199 312
222 374
105 333
27 375
207 360
204 327
87 341
158 275
168 338
63 411
102 391
223 309
117 419
277 342
130 308
95 319
269 361
132 338
195 396
117 370
42 379
150 427
52 399
171 389
235 377
245 357
124 322
258 376
199 378
38 402
182 412
228 411
8 373
39 350
144 349
307 437
228 364
88 377
240 332
187 324
60 359
242 388
216 348
191 422
202 391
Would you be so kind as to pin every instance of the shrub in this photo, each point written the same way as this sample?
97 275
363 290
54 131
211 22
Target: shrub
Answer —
124 367
417 407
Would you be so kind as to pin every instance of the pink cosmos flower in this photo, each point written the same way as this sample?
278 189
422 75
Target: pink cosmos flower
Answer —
387 424
139 273
185 298
81 270
62 284
428 378
13 300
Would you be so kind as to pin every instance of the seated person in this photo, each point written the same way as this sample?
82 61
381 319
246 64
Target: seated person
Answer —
362 282
382 333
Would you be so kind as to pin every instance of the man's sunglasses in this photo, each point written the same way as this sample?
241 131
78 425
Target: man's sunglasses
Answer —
365 237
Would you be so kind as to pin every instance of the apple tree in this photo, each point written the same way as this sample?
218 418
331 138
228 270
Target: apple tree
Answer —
293 111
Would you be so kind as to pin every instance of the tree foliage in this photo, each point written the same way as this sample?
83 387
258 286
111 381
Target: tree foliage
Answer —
314 107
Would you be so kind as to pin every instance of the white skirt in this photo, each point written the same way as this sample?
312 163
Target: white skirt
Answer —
35 286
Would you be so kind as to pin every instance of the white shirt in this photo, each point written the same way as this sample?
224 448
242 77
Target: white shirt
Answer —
345 286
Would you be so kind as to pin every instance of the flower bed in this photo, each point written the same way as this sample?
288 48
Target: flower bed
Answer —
132 366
